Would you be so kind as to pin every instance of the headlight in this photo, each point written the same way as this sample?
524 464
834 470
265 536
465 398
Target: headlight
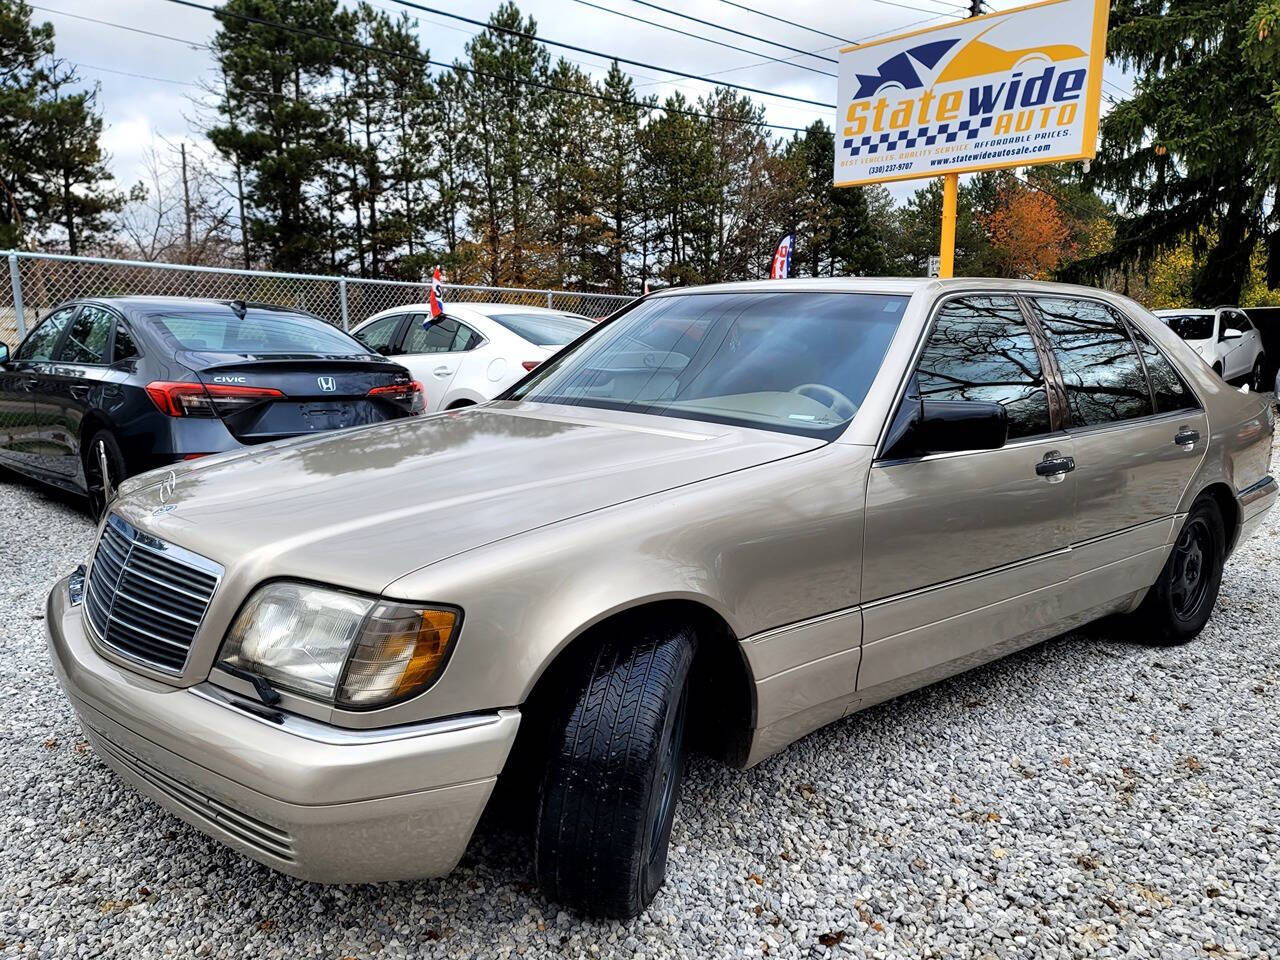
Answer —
341 648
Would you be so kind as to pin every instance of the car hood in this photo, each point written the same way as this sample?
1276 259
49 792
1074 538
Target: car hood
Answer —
363 507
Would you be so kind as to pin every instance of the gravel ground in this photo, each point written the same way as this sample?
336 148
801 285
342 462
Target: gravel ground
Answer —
1088 797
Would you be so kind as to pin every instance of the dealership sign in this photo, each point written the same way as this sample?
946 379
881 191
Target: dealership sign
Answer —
1002 90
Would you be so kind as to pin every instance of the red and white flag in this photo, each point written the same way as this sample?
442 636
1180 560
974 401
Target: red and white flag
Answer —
781 260
436 298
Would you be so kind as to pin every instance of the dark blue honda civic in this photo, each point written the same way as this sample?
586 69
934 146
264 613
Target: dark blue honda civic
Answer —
102 389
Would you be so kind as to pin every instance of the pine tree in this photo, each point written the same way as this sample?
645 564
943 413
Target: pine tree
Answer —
1192 153
281 123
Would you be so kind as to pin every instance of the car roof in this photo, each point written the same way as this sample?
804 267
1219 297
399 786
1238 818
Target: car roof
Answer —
484 309
904 286
141 304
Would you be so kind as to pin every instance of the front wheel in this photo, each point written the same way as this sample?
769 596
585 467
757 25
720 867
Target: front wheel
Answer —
1178 606
609 793
104 469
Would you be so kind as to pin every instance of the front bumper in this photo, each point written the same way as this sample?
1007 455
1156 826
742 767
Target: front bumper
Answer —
311 800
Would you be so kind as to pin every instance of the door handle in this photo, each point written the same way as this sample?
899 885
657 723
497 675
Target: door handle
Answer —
1055 467
442 371
1187 438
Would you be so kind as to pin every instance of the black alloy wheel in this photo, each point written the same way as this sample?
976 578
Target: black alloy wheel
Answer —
1179 603
104 469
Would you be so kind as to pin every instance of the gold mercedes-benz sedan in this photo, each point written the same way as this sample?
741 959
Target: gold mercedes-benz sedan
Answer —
719 520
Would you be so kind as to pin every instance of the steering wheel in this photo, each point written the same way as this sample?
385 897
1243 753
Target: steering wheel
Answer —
840 405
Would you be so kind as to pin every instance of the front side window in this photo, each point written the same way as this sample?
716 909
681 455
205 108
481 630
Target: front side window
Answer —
1170 390
377 336
86 340
1235 320
39 345
1190 326
981 349
790 362
442 335
1099 364
258 332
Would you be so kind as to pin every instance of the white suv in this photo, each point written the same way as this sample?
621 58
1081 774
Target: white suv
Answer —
1225 337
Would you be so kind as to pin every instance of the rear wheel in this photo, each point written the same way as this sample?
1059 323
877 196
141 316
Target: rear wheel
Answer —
104 469
1258 378
609 793
1177 607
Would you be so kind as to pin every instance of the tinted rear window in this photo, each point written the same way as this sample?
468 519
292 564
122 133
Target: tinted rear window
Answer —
1190 326
541 329
259 332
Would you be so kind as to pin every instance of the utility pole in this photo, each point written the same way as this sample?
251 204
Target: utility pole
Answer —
186 201
951 199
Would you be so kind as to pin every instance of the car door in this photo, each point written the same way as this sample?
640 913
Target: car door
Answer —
963 551
1230 346
73 383
1135 451
20 378
437 349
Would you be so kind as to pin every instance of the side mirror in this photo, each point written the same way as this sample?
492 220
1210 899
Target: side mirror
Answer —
946 426
1229 334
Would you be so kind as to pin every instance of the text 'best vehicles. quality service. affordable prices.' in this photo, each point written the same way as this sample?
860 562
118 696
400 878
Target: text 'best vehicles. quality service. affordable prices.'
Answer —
722 518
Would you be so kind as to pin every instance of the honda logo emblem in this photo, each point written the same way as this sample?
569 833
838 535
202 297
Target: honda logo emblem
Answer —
327 384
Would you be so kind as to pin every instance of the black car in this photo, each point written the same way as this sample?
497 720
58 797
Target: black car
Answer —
102 389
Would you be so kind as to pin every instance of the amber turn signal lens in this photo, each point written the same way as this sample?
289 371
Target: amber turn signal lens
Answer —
399 652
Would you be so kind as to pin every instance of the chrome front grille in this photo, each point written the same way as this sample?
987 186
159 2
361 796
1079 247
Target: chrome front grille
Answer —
145 597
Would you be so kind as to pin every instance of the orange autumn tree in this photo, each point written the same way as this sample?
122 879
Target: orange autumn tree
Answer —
1027 233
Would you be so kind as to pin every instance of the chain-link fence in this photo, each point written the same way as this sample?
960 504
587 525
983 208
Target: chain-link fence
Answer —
40 281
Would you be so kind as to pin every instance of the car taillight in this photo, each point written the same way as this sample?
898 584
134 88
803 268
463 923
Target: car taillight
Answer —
205 400
530 364
409 395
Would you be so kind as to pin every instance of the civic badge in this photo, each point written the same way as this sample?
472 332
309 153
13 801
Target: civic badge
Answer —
167 488
327 384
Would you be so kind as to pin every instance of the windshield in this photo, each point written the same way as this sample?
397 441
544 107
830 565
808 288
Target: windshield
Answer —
1190 326
259 332
793 362
543 329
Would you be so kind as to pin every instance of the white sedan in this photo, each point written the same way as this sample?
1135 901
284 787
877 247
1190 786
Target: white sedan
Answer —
474 351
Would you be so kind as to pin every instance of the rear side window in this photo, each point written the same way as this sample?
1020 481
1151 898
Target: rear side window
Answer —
86 341
1099 364
259 332
125 348
542 329
39 345
378 335
445 335
1171 391
981 349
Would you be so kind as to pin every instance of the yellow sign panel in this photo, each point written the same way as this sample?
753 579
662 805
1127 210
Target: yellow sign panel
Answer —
1001 90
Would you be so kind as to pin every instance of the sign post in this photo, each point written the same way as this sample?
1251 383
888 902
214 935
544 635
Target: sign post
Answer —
1000 90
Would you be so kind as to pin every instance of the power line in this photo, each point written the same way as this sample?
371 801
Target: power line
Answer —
844 40
541 85
595 53
740 33
108 23
718 43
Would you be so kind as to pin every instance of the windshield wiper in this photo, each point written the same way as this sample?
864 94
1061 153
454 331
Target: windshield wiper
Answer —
261 686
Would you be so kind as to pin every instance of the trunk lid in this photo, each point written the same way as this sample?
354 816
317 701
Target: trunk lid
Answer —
316 392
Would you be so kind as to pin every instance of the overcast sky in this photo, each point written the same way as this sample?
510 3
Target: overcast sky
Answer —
147 82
